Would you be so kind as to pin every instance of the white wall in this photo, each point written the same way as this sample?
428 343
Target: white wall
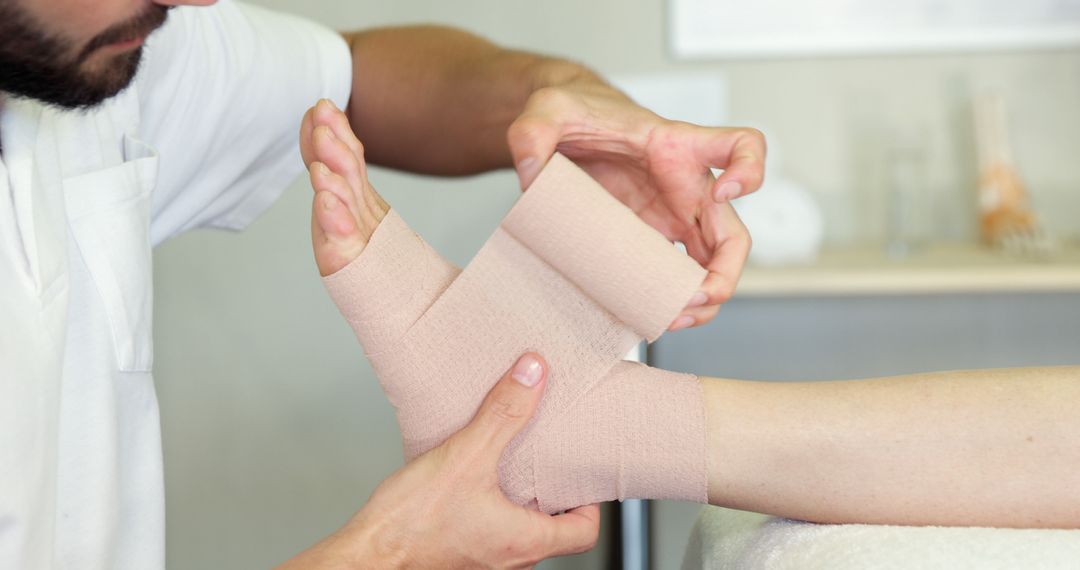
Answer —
275 430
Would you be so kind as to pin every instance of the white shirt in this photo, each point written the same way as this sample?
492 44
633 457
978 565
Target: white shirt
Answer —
205 137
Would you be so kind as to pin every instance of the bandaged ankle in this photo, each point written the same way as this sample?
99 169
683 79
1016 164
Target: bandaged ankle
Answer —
639 433
571 274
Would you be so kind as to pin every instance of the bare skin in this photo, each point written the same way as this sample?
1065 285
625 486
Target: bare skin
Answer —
975 448
972 448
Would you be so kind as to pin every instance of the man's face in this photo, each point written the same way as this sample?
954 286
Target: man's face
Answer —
74 53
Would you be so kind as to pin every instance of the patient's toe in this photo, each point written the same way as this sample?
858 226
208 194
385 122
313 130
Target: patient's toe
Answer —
337 234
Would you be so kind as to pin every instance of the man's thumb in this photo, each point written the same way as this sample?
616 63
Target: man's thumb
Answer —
532 139
508 406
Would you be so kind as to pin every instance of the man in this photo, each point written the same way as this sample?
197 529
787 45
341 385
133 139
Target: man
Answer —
110 146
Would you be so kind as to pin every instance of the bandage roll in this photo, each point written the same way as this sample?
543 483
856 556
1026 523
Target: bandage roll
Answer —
572 223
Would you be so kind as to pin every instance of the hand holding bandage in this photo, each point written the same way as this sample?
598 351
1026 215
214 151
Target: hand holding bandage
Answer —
570 273
444 510
661 169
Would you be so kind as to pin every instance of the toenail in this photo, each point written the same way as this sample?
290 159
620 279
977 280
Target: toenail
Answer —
329 201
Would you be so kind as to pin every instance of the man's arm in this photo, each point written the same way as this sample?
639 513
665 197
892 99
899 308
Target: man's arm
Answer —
439 100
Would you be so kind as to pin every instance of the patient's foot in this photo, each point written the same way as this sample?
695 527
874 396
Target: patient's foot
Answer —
438 338
346 208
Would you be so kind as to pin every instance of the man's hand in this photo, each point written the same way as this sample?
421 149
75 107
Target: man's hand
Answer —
659 168
441 101
445 509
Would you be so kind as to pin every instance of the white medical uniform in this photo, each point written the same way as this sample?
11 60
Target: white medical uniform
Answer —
205 137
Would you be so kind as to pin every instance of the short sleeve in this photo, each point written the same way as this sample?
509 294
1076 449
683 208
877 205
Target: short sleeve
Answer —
222 90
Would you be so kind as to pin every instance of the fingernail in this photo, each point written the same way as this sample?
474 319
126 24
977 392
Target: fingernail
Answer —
527 371
728 191
527 170
323 169
698 299
681 322
327 103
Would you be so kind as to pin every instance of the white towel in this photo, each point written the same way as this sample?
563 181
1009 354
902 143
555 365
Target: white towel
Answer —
725 538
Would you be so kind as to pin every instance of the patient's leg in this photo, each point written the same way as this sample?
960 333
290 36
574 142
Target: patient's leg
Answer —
571 274
966 448
993 448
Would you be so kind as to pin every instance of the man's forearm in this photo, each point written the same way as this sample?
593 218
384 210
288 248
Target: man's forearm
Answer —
438 100
982 448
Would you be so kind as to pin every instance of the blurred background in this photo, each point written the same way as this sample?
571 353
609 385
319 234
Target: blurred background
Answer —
894 161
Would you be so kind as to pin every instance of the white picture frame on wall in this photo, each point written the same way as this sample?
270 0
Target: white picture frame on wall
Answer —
745 29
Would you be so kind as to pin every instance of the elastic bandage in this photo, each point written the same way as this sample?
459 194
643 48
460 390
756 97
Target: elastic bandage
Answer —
574 275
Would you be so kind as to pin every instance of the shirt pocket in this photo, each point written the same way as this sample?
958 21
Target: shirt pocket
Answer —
109 214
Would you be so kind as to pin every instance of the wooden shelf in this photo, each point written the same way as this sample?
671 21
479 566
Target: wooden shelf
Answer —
932 270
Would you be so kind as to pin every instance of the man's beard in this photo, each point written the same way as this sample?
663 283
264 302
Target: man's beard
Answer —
37 65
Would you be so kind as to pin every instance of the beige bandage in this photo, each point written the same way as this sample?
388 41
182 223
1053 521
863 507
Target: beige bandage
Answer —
573 275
